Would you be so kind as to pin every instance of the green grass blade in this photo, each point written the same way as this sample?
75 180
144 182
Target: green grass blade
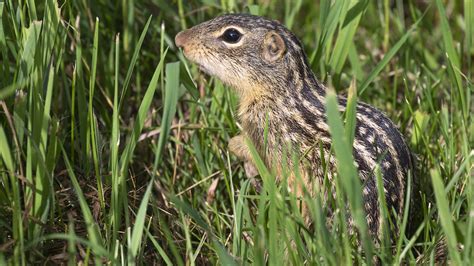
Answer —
447 36
92 128
3 51
453 58
388 56
5 152
225 258
139 225
133 62
329 26
31 9
445 216
240 206
347 172
222 253
160 250
91 225
269 191
350 113
188 210
30 42
292 9
114 140
71 244
384 212
116 180
406 211
346 35
141 116
469 251
355 62
169 108
469 21
170 241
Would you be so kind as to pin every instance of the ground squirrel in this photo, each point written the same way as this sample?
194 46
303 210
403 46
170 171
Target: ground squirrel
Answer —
265 63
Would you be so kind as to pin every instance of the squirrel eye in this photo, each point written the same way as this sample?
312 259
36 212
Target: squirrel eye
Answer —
231 35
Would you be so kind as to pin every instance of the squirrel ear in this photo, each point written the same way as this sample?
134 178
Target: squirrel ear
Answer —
273 47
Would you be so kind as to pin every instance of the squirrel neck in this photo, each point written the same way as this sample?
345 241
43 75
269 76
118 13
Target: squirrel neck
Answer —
277 101
295 82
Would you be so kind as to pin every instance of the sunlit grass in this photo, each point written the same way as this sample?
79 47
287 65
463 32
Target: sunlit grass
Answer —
113 148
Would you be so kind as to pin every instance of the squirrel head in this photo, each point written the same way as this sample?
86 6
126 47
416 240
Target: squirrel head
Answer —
244 51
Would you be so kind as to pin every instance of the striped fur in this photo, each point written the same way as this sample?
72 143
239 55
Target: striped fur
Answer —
286 97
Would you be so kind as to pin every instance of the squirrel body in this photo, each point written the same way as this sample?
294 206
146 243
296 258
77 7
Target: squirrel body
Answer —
279 94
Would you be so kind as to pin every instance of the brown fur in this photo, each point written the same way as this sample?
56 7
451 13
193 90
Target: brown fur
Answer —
279 93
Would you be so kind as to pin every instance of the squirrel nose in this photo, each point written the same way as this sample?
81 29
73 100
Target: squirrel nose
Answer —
181 39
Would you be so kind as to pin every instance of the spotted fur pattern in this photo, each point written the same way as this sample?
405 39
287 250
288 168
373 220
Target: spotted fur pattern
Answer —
286 97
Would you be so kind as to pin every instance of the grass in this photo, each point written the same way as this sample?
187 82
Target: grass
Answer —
113 147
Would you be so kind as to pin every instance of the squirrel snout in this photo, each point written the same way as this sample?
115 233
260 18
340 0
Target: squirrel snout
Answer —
181 39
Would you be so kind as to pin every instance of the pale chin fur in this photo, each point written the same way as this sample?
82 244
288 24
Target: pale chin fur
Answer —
212 69
203 66
215 69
